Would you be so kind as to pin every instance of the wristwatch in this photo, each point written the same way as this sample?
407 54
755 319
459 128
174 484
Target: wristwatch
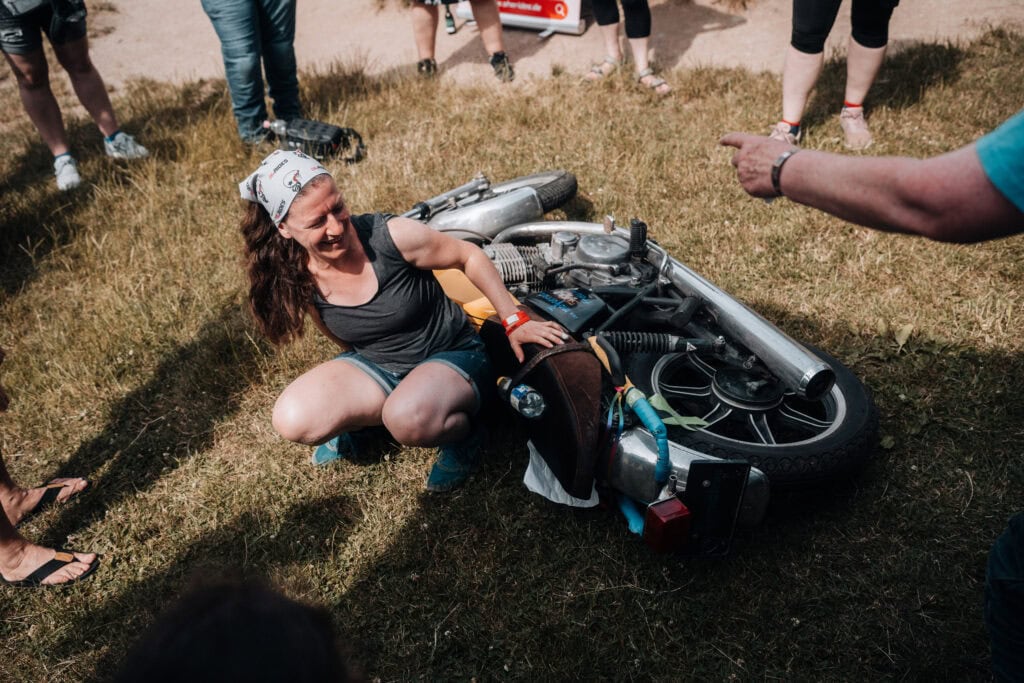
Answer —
777 170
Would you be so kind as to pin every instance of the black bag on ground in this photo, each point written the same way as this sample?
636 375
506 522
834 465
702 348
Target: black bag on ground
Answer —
320 140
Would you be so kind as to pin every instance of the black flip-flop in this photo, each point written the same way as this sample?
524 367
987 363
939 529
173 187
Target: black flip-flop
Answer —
62 559
50 497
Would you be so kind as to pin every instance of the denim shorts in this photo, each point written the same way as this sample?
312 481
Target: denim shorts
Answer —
470 361
22 35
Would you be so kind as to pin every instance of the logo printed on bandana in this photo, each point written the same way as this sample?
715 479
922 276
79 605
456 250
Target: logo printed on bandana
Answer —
260 193
294 181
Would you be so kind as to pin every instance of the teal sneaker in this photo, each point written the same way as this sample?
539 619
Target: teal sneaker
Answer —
340 447
456 461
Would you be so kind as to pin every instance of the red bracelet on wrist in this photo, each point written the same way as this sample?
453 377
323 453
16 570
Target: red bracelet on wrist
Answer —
513 321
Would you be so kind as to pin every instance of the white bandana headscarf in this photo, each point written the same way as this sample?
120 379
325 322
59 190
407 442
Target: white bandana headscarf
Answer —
278 179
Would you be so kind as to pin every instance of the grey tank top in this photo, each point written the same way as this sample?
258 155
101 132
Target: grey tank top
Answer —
409 318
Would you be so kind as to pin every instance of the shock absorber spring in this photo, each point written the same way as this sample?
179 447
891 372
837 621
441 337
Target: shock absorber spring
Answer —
642 341
657 342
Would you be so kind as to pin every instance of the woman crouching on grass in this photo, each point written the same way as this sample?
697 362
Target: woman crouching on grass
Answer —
411 360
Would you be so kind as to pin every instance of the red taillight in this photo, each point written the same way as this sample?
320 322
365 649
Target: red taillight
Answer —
667 525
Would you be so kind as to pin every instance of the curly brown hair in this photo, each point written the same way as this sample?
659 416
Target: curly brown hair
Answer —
280 286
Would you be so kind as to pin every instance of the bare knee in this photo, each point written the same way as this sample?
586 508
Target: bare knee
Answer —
412 423
33 79
290 421
79 69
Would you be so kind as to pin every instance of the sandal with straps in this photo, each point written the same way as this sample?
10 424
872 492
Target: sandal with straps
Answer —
61 559
601 70
654 83
49 497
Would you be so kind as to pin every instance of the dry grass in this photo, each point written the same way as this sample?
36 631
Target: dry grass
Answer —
131 361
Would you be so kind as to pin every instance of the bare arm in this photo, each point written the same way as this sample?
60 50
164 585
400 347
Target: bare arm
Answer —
431 250
947 198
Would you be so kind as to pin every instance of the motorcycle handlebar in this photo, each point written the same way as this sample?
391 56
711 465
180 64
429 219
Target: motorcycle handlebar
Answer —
425 209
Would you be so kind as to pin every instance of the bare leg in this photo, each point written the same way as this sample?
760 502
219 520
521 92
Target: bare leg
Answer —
424 28
638 46
610 38
612 50
32 74
798 78
310 411
488 20
862 65
88 83
430 407
19 558
17 502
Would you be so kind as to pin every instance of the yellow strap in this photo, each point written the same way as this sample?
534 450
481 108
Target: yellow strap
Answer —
599 352
603 357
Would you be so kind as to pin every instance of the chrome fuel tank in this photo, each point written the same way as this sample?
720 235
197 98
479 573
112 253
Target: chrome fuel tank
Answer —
492 216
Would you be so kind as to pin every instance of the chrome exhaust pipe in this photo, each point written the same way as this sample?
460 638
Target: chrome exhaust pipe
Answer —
799 370
632 473
546 229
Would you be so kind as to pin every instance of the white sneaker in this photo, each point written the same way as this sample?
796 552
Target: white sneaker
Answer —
124 146
66 169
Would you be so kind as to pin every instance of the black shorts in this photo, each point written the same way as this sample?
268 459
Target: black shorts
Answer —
23 34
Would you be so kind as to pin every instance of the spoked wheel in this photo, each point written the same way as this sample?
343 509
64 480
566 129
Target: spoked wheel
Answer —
794 441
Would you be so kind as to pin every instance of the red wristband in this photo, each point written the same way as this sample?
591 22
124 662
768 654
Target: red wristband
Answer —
513 321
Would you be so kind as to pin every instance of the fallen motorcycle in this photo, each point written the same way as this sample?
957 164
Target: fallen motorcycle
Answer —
673 397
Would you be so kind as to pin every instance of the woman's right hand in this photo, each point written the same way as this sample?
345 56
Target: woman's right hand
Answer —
547 334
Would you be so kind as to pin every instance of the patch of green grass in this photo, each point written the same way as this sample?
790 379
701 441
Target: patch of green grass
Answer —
131 360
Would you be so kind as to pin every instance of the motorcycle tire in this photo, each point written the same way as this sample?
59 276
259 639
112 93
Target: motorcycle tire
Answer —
553 188
841 449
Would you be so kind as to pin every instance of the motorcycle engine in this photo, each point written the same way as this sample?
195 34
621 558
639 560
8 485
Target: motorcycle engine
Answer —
569 261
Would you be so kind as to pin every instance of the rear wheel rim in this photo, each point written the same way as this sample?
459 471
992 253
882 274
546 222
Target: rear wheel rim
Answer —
707 389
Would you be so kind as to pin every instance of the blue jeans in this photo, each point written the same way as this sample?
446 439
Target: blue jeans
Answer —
252 31
470 361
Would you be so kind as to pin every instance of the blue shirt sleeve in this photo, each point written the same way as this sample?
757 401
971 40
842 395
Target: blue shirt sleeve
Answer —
1002 157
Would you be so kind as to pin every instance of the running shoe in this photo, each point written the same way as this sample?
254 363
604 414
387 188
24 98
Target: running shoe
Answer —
65 168
124 146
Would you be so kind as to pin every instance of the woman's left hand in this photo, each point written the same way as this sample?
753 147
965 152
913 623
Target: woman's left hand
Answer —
546 334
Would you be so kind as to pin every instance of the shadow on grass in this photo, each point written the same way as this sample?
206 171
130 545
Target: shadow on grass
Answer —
155 112
903 79
335 86
35 221
493 582
249 544
167 420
